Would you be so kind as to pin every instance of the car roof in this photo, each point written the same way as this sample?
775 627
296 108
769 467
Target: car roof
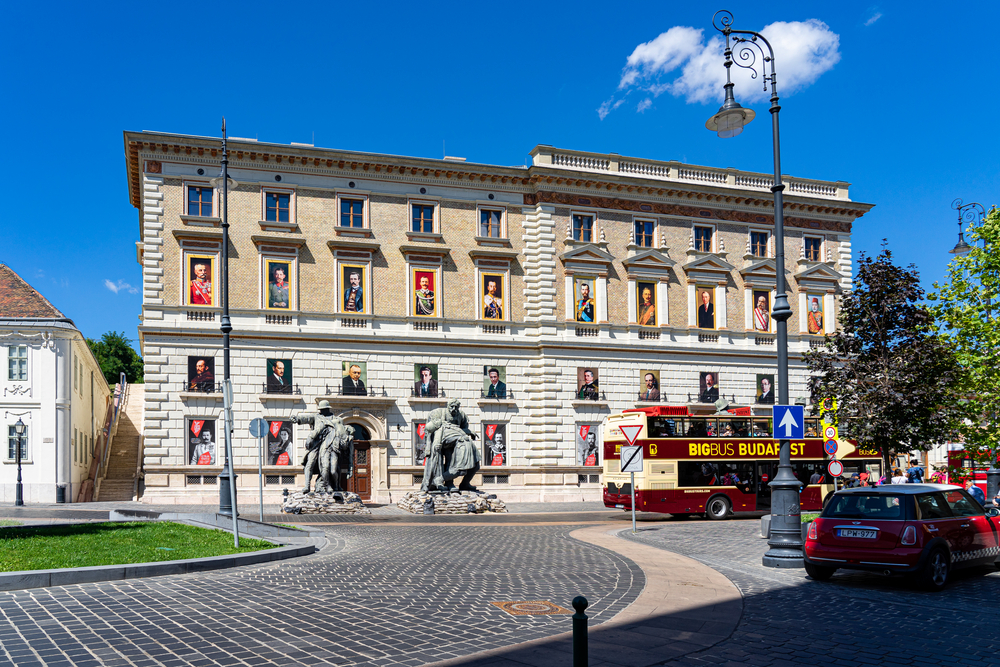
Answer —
898 489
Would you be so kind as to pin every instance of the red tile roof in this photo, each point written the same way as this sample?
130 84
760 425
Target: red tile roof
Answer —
19 299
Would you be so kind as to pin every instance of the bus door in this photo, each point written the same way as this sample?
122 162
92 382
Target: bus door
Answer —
766 470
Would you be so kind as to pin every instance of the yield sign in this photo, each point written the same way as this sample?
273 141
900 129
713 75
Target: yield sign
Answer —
630 433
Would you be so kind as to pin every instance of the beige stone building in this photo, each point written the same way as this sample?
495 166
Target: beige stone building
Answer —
391 268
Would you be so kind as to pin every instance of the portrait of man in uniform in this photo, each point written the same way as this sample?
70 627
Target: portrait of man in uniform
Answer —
352 279
585 309
706 306
587 382
200 292
814 316
279 443
587 450
278 292
761 310
646 306
201 374
279 376
495 444
355 376
708 388
492 296
425 385
424 300
765 389
201 443
493 382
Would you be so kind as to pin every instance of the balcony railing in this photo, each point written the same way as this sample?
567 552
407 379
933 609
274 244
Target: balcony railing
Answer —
507 395
209 387
287 389
338 390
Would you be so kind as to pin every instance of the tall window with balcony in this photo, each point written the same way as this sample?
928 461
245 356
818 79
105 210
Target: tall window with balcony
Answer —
277 206
352 213
813 249
423 218
758 244
199 201
703 239
489 224
17 362
583 228
644 233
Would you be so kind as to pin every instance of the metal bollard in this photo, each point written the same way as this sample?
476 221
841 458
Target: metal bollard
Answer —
580 658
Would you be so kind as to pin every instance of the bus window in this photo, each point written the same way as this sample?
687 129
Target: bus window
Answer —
698 428
812 427
762 428
810 472
663 427
712 473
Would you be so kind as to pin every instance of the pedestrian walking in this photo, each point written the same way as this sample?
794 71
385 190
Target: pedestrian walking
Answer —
898 477
975 491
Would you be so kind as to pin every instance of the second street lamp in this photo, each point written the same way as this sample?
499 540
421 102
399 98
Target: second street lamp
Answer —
785 541
19 429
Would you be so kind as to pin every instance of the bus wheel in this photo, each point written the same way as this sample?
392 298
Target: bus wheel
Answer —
717 508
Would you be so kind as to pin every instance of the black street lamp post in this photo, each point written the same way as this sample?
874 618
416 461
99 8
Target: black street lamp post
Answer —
975 212
18 488
785 541
227 481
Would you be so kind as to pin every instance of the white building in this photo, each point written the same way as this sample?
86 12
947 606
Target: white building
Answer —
54 385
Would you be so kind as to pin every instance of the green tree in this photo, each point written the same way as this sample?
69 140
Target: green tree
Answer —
963 305
116 356
895 379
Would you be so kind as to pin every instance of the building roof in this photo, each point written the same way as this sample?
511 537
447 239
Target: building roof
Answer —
19 299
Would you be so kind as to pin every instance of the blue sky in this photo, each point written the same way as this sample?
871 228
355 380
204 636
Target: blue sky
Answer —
902 108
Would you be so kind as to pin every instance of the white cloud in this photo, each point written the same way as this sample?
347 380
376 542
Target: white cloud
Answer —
804 50
120 286
645 104
874 17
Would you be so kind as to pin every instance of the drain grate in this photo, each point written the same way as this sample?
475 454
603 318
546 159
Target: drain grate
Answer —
531 608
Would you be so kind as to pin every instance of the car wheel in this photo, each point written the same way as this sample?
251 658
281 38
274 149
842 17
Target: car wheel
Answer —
818 572
934 576
718 508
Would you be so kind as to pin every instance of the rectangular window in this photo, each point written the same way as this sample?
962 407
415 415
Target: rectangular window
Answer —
583 228
423 218
199 201
277 206
703 239
74 445
813 249
758 244
644 233
489 224
352 213
17 362
76 375
12 443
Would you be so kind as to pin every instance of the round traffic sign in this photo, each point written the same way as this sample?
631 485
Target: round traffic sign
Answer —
835 468
830 447
830 432
258 427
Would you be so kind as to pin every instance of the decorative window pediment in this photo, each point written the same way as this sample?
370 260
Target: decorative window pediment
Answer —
587 257
710 267
819 276
649 262
760 273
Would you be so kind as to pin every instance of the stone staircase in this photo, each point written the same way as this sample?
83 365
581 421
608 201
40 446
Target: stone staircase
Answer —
119 482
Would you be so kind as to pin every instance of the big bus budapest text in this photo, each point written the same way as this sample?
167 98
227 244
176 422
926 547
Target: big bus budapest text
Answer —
715 465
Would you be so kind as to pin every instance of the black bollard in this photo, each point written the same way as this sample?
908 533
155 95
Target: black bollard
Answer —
580 658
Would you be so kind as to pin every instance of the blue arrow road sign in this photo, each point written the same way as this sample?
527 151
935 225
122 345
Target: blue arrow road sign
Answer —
789 421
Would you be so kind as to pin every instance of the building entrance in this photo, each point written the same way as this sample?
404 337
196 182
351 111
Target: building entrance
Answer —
361 481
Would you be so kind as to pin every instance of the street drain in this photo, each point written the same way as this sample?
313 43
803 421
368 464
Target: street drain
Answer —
531 608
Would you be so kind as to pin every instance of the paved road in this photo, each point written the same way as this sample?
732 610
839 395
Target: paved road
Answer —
853 619
379 595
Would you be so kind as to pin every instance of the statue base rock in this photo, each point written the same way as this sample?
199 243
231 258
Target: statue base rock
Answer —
456 502
338 502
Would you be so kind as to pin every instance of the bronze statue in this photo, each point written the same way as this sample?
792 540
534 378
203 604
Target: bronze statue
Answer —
329 440
451 452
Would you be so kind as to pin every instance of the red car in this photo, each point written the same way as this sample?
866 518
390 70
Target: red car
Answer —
920 529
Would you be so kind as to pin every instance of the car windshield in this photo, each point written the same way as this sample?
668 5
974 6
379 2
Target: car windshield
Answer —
865 506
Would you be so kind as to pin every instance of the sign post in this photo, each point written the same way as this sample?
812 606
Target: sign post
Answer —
227 409
258 427
631 460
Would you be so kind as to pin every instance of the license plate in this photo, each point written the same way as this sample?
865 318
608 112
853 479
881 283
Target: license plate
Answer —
854 532
620 507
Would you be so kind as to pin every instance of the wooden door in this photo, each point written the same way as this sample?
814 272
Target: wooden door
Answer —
361 481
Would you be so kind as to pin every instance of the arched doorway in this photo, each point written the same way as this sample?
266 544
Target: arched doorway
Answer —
361 481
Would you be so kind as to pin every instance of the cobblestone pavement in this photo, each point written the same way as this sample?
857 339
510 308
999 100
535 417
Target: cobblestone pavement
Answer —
378 595
853 619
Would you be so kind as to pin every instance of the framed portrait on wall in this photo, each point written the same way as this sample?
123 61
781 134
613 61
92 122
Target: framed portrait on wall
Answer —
425 293
645 294
761 310
584 304
352 281
419 443
199 279
649 385
279 290
201 374
765 389
587 382
588 448
425 382
280 443
492 290
201 442
279 376
708 387
814 313
705 295
494 444
495 381
355 378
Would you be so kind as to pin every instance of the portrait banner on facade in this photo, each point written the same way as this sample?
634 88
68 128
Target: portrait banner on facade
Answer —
355 378
425 293
279 376
761 310
765 389
278 289
646 304
584 303
495 444
201 374
649 385
814 313
201 442
280 443
419 443
352 280
588 448
493 291
588 383
425 383
706 306
495 381
708 387
200 280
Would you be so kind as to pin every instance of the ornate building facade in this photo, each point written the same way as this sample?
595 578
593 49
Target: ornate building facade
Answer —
543 298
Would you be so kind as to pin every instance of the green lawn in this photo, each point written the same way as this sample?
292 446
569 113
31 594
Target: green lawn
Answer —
806 518
88 544
10 522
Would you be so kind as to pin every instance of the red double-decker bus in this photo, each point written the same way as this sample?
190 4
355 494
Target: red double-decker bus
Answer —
719 464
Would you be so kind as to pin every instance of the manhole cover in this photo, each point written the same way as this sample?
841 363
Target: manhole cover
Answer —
531 608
